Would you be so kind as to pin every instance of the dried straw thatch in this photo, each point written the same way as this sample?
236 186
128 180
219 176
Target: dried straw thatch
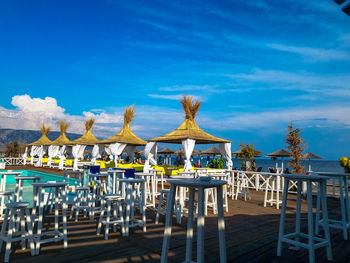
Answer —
189 129
43 140
88 138
62 139
125 135
279 153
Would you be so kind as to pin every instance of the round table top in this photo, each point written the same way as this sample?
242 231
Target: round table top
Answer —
181 177
196 183
50 184
28 177
116 171
98 175
131 180
305 177
330 174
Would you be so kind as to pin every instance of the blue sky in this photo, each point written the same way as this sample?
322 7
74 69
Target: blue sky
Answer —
256 65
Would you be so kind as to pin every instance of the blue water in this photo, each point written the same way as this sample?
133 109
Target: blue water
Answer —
27 186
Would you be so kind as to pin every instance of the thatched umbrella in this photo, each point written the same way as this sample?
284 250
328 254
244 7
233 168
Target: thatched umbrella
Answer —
211 151
280 153
310 156
197 152
39 147
79 145
188 134
58 147
125 138
167 152
257 153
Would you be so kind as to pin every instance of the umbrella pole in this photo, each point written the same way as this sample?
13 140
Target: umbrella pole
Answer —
282 165
309 165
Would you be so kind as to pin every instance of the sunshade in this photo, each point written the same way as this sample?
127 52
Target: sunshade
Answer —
279 153
88 138
311 155
125 135
43 140
166 150
257 153
211 151
62 139
189 129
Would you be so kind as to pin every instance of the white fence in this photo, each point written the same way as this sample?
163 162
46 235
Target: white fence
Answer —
13 160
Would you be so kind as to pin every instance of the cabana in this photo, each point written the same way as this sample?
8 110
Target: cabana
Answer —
124 139
39 147
58 147
188 134
79 145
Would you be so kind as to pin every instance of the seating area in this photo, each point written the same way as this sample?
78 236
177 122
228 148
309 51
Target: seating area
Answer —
120 214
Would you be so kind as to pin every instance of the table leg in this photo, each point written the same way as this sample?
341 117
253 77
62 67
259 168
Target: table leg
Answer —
64 216
342 208
168 219
200 226
283 215
189 234
298 210
221 225
310 222
323 186
347 201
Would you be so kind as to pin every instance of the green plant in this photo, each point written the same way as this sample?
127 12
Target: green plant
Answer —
246 154
296 145
13 149
345 162
217 163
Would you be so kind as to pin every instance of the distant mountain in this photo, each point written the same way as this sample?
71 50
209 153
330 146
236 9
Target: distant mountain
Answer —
28 136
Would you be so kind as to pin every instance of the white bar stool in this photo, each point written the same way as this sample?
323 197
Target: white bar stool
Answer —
344 223
3 195
112 202
164 194
82 202
273 184
19 185
22 211
39 192
242 187
150 191
194 184
134 198
294 238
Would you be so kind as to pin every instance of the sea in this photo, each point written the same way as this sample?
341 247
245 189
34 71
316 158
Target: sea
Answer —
265 163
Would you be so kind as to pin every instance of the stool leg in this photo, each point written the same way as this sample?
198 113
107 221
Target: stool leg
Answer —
128 203
310 223
298 210
143 206
342 208
3 227
56 211
189 234
40 220
282 218
168 219
200 226
347 201
108 218
318 207
221 225
30 232
9 234
23 227
159 206
64 217
99 225
323 186
266 189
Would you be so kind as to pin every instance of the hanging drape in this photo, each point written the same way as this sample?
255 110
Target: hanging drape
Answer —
150 155
34 152
97 152
77 151
25 155
225 150
53 151
116 150
108 151
188 145
41 152
130 151
62 155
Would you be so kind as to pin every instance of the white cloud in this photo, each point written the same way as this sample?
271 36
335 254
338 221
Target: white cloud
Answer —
172 97
316 54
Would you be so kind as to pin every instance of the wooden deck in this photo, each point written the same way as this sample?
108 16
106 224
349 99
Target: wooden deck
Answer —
251 236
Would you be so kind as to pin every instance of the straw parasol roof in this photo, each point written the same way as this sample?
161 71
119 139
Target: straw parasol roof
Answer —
43 140
279 153
62 139
125 135
196 152
257 153
180 152
211 151
311 155
189 129
166 150
88 138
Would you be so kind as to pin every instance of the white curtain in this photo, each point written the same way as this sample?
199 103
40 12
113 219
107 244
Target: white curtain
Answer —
108 151
116 150
77 151
130 150
97 152
41 152
62 156
25 156
188 146
33 152
150 155
225 150
53 151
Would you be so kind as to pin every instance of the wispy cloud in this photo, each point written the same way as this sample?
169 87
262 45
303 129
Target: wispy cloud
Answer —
172 97
315 54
